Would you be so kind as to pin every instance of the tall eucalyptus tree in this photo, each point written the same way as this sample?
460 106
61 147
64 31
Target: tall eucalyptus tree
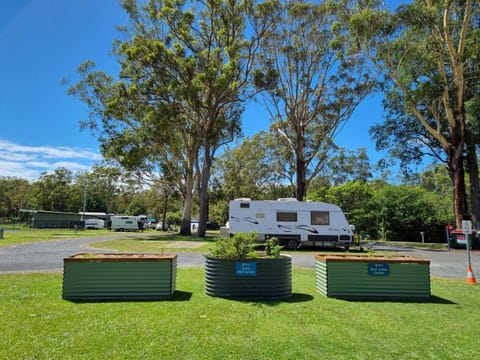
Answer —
184 70
421 51
311 84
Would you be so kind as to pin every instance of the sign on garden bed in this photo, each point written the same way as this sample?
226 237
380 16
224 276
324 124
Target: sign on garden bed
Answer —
372 277
261 278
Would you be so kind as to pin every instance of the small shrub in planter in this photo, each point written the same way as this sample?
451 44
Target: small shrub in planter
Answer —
235 270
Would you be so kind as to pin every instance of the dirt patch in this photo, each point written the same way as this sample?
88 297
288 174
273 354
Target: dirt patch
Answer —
89 257
186 244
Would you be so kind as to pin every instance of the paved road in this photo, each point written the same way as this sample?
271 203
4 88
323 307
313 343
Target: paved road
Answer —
449 264
48 256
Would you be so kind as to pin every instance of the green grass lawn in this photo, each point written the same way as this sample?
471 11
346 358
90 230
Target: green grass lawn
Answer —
147 241
37 324
418 245
158 243
14 237
153 241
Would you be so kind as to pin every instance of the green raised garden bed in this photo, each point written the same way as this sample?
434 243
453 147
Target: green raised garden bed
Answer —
119 276
373 277
258 278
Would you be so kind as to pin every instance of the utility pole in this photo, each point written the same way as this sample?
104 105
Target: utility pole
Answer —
84 200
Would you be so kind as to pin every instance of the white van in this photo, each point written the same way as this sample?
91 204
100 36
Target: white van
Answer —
127 223
94 224
194 226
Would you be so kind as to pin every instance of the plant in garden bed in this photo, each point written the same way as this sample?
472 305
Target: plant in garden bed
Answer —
235 270
242 246
272 248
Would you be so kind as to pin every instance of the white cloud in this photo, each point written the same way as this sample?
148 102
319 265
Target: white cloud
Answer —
18 170
30 161
38 164
48 151
5 155
74 166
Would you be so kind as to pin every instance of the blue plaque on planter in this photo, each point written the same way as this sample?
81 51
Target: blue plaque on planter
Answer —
248 268
378 269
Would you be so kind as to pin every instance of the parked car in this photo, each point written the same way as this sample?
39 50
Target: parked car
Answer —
162 226
209 225
212 225
151 223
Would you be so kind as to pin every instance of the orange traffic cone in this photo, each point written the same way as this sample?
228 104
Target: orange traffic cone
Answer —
470 276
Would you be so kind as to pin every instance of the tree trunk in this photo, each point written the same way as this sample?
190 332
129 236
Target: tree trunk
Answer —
301 179
203 180
472 167
457 174
459 196
187 205
203 203
164 211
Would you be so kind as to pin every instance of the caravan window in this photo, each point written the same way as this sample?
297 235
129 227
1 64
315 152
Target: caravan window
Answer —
244 205
320 218
286 216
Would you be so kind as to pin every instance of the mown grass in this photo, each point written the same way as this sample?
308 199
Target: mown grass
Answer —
152 241
37 324
167 241
147 241
417 245
14 237
158 243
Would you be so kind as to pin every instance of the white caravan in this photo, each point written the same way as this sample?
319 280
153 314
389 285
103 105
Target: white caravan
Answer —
292 222
94 224
127 223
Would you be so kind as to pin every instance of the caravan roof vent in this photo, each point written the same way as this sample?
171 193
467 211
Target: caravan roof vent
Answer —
287 199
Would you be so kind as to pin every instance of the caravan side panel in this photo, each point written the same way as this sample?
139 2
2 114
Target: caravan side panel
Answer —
124 223
290 220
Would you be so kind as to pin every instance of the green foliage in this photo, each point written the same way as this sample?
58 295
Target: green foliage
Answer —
393 212
15 194
401 209
239 246
252 169
137 207
242 246
311 87
218 209
184 73
344 165
102 185
272 248
377 209
423 55
355 200
52 192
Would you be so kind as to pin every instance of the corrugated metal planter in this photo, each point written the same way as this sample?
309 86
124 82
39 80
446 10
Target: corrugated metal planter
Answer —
119 276
373 277
263 278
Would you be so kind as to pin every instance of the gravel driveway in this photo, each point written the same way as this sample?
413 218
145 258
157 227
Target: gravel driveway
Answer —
48 256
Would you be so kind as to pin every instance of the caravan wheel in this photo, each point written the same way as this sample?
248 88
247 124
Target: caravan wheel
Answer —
293 244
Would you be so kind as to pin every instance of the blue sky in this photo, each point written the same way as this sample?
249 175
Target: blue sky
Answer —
43 41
